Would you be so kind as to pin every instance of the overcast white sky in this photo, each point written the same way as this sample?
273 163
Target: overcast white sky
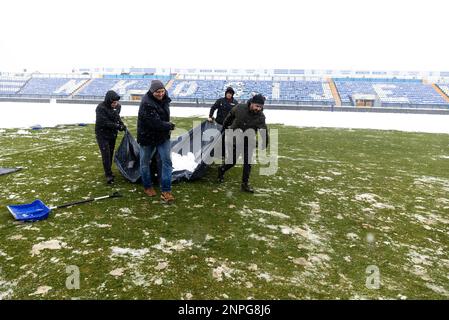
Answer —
56 36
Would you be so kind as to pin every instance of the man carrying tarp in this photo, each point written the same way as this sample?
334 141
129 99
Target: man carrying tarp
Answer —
153 133
244 120
223 107
107 125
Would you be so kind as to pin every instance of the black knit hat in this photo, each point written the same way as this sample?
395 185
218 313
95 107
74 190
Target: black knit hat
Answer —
229 89
156 85
258 98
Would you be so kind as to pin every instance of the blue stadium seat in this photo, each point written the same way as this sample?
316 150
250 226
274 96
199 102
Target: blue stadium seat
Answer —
214 89
391 92
99 86
11 85
197 89
305 91
61 87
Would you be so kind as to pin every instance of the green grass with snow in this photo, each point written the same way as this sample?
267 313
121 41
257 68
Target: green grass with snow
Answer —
342 200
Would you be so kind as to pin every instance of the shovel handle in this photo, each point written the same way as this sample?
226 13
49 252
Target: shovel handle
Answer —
69 204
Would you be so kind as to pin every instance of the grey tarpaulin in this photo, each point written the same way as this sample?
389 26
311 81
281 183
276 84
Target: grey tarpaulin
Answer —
8 170
127 155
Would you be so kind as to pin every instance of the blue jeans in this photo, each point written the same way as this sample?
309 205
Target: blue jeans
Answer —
146 153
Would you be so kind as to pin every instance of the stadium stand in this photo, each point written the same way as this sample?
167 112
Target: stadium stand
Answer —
304 91
279 88
347 88
213 89
197 89
444 87
49 87
392 93
308 92
99 86
247 88
11 85
163 78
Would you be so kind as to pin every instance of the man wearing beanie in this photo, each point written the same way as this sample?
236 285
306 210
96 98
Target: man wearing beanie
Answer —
245 117
153 134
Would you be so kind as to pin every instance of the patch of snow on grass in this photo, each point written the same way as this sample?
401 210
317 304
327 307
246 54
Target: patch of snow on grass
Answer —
42 290
168 246
220 271
273 213
371 199
50 245
117 272
117 251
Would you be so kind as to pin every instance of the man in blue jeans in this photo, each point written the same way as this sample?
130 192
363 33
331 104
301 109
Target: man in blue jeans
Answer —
153 133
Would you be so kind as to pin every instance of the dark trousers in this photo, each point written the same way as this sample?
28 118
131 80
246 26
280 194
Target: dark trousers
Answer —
247 157
223 147
223 143
107 152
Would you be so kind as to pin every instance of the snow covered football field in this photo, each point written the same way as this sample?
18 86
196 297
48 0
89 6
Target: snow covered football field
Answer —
22 115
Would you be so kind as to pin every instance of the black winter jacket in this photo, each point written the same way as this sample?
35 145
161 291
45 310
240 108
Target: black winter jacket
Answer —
240 117
224 106
153 121
108 119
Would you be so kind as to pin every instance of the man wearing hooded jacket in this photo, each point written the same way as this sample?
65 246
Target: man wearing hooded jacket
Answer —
153 134
244 117
107 125
223 106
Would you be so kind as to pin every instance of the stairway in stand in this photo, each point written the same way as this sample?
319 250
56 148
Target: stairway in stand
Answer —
81 87
334 91
437 89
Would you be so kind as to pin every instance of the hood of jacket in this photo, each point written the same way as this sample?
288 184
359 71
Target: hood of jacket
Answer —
110 97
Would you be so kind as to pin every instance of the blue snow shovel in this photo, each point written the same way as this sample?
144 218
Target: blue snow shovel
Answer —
37 210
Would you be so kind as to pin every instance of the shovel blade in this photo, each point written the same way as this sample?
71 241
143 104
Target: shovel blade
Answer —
34 211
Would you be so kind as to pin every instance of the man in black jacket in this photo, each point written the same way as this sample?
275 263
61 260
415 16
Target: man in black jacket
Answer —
107 125
249 118
153 133
223 105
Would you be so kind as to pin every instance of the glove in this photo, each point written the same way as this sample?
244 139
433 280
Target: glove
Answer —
210 119
172 126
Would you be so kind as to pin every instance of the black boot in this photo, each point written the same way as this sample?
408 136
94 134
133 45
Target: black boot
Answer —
110 179
246 187
220 178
